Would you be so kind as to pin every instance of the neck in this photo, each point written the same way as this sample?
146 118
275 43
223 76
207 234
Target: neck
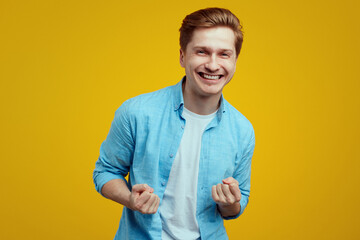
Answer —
202 105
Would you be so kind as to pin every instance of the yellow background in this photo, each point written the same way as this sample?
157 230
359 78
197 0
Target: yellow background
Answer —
66 66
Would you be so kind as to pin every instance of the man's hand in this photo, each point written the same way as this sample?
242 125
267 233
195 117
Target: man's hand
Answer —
227 196
143 199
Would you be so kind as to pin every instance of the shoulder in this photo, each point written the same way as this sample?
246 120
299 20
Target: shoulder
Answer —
148 102
236 116
238 121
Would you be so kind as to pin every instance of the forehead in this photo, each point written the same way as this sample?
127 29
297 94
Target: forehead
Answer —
216 37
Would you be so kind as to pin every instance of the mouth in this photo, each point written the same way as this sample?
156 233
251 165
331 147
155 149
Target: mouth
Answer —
210 76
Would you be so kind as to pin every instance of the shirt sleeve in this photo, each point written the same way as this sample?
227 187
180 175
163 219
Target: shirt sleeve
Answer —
242 175
116 151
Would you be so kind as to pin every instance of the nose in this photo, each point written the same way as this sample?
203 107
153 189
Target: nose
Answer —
212 65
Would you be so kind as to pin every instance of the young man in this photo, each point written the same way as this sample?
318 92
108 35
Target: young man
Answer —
187 150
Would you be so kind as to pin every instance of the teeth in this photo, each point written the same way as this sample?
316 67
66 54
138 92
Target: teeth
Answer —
211 77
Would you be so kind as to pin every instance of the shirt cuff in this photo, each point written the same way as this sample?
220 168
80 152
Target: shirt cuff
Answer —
101 178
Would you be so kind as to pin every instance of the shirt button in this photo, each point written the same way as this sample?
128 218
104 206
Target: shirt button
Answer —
163 183
182 126
171 155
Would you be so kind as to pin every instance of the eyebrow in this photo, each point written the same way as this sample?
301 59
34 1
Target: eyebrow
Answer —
208 49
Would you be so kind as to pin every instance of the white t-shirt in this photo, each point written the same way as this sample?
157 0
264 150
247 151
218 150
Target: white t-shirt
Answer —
178 207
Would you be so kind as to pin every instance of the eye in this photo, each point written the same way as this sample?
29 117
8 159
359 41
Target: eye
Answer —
226 54
201 52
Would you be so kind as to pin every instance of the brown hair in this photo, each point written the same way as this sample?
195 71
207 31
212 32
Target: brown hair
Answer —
207 18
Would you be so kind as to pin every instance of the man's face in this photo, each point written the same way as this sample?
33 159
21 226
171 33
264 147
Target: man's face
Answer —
209 61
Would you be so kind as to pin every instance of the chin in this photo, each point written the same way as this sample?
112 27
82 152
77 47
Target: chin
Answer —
213 86
211 90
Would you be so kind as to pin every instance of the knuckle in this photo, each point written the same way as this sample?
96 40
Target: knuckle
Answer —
138 206
145 196
143 210
151 199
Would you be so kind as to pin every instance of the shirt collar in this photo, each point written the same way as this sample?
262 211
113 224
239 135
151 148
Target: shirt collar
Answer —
179 99
178 95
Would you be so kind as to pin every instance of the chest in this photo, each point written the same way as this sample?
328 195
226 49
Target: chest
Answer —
216 148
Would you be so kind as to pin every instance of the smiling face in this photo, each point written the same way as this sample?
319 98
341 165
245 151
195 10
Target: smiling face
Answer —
209 61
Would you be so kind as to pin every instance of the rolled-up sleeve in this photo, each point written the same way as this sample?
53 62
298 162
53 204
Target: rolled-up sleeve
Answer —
242 174
116 151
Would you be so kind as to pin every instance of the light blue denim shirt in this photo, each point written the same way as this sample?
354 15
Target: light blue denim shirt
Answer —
143 141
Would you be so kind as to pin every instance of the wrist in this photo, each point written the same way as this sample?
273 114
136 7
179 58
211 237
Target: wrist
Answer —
228 210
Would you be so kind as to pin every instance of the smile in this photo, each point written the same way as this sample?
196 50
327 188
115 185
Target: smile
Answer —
210 77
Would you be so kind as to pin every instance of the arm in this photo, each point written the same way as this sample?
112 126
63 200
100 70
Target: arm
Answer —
113 165
116 190
116 152
233 195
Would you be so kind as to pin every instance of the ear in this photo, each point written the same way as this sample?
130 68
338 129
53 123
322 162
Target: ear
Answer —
182 55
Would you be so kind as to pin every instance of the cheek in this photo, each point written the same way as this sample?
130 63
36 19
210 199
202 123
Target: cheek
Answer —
230 67
196 62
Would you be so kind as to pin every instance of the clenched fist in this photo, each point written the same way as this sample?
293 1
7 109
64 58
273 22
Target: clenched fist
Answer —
227 196
143 199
